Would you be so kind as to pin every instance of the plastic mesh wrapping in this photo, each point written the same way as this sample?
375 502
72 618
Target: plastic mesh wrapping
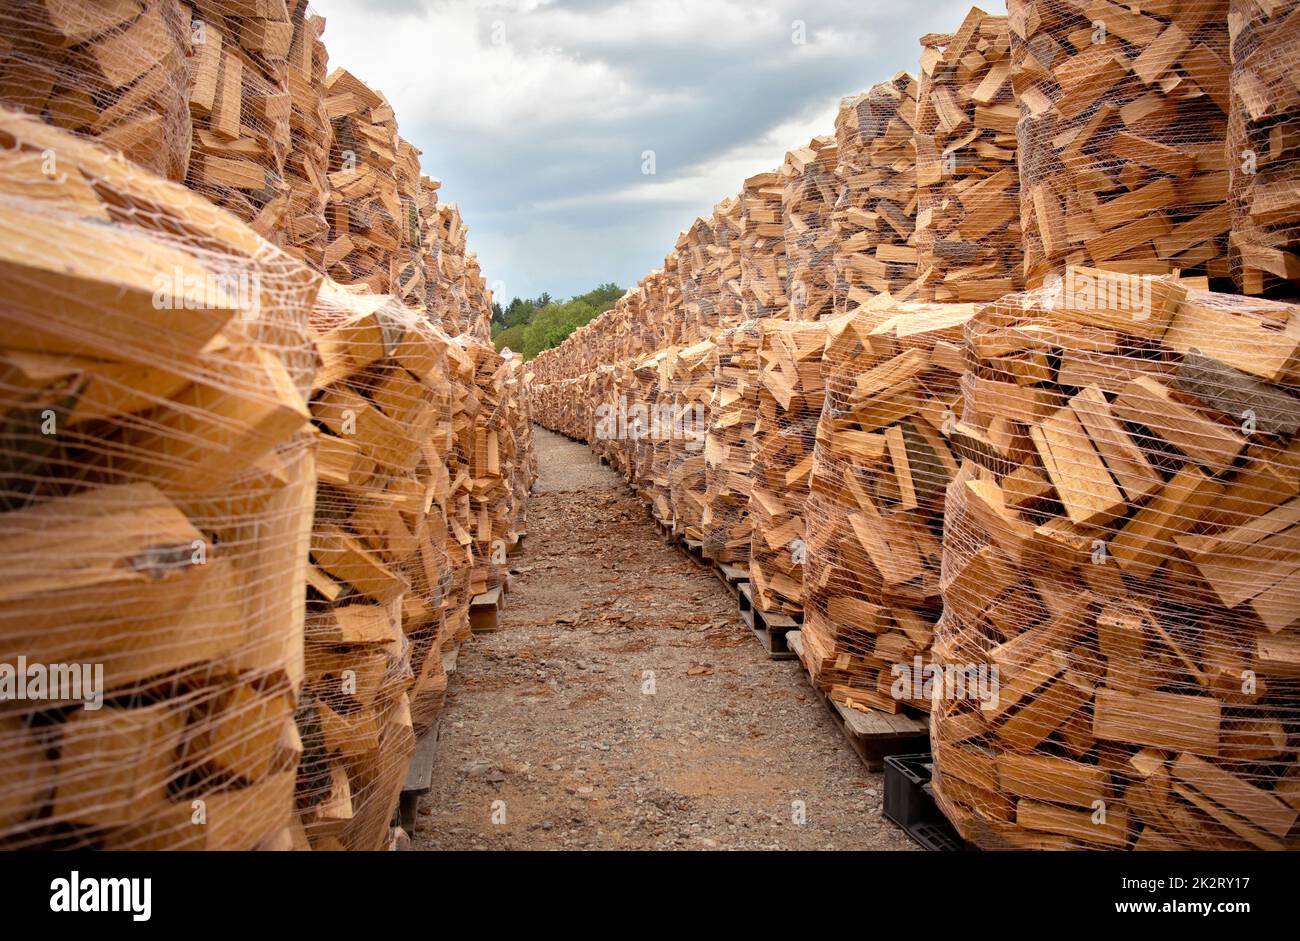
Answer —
728 446
1121 545
807 200
874 516
157 500
874 219
113 71
692 391
790 393
762 248
1121 135
381 572
1263 127
968 221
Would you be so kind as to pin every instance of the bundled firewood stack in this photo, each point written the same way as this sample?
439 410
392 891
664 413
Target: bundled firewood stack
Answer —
518 420
650 409
450 298
881 467
728 446
156 498
306 170
241 107
603 391
382 403
370 223
762 248
698 280
115 72
968 236
495 461
478 314
790 393
874 219
728 226
1121 135
1121 545
691 383
808 197
1264 115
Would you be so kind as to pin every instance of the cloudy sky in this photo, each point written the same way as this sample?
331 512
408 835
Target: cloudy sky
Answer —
536 114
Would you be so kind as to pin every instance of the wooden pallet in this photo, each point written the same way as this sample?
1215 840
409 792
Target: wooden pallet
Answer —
484 610
769 628
872 735
419 777
732 577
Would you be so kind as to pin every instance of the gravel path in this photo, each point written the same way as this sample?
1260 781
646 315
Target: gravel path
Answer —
624 705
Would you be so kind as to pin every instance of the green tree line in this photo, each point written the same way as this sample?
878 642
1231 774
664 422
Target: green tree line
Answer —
530 325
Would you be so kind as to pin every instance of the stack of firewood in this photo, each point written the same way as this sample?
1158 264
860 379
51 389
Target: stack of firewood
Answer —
691 384
762 248
115 72
1264 114
790 393
968 216
242 109
810 190
698 279
728 447
1121 546
156 505
727 236
875 513
369 220
306 169
383 406
1121 134
875 212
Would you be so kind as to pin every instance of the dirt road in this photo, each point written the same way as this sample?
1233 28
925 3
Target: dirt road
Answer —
624 705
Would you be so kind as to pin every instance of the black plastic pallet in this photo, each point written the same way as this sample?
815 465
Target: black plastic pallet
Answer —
910 803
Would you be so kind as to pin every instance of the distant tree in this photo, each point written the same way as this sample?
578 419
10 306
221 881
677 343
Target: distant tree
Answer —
498 314
512 337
